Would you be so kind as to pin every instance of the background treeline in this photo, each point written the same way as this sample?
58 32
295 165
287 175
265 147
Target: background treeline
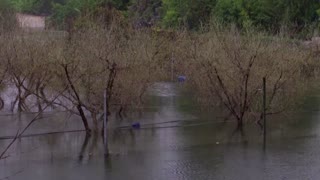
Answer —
267 15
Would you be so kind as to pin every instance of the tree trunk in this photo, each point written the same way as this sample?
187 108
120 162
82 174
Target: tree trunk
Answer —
83 118
84 147
19 100
79 106
95 121
1 103
240 124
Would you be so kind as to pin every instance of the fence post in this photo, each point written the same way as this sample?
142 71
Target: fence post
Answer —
264 113
172 64
105 121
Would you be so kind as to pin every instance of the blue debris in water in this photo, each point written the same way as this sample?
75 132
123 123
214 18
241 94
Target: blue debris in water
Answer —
136 125
182 78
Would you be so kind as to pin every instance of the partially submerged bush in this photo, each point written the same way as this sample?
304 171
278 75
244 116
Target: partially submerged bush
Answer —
79 67
227 69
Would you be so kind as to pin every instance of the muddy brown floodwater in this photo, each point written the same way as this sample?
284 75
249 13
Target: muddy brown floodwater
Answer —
183 144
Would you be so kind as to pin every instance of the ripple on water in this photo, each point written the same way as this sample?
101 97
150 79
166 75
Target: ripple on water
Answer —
163 89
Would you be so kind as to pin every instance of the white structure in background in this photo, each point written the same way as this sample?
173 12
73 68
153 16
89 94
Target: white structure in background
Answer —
27 21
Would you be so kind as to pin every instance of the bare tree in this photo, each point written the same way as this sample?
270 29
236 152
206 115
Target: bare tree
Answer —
227 68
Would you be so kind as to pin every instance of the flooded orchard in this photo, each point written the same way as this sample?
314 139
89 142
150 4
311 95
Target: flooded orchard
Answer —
175 141
138 90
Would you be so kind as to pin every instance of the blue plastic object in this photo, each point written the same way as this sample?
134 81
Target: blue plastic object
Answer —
182 78
136 125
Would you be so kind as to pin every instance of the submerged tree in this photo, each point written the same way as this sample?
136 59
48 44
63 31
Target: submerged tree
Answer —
227 68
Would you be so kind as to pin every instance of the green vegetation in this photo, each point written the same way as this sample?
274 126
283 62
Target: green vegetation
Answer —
35 6
7 19
266 15
294 16
71 9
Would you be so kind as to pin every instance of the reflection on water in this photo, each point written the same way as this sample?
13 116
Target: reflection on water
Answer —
206 151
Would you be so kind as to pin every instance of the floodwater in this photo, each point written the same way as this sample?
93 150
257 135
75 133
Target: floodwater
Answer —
175 142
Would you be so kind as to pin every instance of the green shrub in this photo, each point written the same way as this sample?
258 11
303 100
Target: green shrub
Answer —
7 17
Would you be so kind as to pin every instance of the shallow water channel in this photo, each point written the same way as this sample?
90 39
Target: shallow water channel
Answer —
175 142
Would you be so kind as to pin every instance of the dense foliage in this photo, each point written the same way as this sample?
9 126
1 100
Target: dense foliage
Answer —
268 15
7 20
43 7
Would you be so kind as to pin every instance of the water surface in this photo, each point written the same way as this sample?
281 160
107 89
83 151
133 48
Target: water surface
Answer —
175 142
